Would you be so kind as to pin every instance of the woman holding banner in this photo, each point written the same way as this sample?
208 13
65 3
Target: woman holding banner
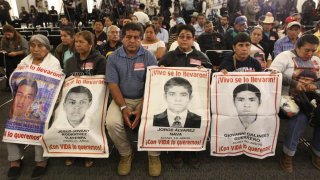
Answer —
86 61
40 55
300 70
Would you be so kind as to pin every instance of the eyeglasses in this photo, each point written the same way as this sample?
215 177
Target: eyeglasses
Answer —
185 37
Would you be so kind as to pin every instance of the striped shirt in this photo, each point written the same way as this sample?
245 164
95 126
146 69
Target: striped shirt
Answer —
283 44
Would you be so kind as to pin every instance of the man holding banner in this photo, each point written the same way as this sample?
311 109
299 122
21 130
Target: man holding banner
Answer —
185 56
125 75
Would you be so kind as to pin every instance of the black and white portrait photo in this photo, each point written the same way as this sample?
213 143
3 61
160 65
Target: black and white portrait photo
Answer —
247 100
76 103
178 94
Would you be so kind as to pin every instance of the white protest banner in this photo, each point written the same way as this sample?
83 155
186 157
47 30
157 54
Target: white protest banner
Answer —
78 127
245 114
176 110
35 91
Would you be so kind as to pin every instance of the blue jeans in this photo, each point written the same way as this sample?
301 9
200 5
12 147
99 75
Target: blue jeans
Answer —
296 128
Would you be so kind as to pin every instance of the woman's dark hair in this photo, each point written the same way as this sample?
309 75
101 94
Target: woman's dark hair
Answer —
133 27
246 87
68 30
87 35
307 38
187 28
153 27
16 34
241 37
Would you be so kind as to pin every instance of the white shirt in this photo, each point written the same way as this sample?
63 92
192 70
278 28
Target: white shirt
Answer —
49 62
163 35
284 64
172 116
153 47
172 22
175 44
142 17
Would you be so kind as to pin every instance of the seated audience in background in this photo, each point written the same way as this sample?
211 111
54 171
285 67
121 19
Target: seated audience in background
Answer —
240 60
15 48
143 18
288 42
173 31
152 43
100 36
162 33
112 43
199 26
173 19
193 20
223 25
256 50
240 25
65 49
64 22
269 37
24 16
210 40
107 23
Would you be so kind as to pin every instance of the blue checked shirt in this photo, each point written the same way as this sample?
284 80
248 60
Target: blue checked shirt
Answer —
283 44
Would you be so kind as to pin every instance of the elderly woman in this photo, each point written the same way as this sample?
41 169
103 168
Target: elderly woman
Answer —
15 46
300 70
65 49
39 46
86 61
256 50
152 43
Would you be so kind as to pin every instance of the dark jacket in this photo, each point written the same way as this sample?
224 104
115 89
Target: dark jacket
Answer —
220 29
105 48
213 41
248 65
102 37
192 121
177 58
59 52
268 43
229 37
94 64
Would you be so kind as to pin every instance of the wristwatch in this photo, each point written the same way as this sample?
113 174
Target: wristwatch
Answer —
123 107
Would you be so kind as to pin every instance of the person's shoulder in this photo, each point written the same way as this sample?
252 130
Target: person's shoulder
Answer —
161 115
194 116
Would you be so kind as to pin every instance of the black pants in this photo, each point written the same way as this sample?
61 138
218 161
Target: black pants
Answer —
11 64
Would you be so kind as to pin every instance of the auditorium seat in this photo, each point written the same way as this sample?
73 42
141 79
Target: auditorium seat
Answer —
55 32
55 40
27 34
43 32
216 57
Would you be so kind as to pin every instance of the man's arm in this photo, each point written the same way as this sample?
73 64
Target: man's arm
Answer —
119 100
